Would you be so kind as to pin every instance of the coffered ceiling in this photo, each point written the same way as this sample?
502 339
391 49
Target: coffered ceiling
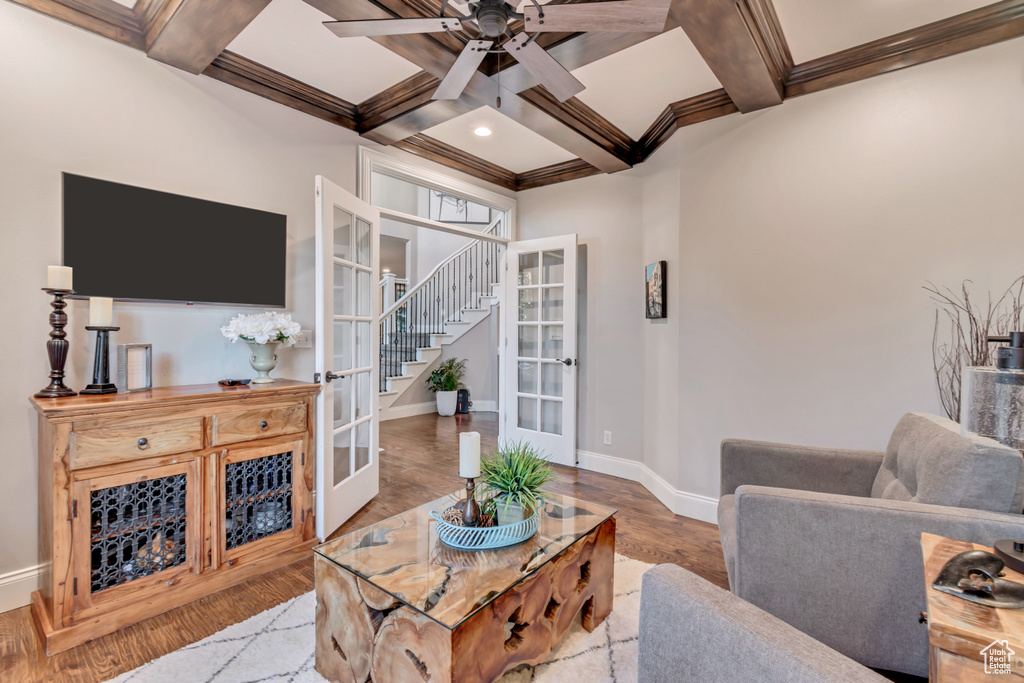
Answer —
713 58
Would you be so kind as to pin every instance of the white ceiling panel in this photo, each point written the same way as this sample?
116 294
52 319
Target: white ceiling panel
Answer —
632 87
130 4
288 37
815 28
510 145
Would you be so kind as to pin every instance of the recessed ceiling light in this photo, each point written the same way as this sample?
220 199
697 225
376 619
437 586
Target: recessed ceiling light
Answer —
483 131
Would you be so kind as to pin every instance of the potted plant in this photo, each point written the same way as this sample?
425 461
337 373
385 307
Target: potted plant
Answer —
263 332
445 382
515 476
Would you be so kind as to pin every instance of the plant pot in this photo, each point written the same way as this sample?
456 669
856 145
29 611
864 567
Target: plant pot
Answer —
512 513
446 402
263 360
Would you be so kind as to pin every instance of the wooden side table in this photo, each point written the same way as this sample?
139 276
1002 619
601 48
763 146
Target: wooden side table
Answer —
969 642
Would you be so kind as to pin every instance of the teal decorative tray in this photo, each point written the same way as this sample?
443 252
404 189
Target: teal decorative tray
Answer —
484 538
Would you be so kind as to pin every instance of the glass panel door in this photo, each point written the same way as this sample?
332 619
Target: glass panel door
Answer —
347 434
539 372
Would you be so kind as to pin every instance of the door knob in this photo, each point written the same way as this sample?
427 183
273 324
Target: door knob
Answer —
330 376
567 361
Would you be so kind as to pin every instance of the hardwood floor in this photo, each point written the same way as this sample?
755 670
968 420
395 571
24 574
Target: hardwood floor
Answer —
419 463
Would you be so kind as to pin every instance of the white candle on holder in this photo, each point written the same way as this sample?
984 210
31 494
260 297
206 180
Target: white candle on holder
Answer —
101 311
469 455
58 277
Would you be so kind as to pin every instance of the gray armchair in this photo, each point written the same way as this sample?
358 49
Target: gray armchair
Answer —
692 630
829 540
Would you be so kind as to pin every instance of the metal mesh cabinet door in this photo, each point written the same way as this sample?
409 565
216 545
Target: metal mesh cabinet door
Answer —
259 488
134 529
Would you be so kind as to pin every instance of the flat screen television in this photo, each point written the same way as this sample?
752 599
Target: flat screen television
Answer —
135 244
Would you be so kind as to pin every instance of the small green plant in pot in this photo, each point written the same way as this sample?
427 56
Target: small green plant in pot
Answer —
515 475
445 382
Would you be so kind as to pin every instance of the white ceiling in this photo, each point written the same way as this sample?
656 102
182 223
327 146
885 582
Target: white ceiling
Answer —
127 3
511 144
632 87
815 28
288 37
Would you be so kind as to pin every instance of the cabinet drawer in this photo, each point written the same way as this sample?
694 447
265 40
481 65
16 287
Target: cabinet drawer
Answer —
246 425
92 447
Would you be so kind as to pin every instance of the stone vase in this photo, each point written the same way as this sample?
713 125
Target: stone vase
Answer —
512 513
263 360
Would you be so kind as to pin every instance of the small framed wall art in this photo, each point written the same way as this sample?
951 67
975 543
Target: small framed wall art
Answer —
134 367
655 277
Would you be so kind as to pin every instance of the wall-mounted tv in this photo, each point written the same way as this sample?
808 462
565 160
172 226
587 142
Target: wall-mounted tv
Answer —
135 244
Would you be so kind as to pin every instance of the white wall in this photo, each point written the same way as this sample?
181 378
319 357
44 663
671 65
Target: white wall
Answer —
798 240
605 212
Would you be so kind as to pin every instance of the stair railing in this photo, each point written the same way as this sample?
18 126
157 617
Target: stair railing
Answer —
454 284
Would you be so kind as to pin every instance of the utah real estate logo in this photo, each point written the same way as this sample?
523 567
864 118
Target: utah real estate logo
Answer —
997 657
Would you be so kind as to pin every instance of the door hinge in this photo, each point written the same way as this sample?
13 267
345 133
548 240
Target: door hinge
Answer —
74 586
316 378
74 509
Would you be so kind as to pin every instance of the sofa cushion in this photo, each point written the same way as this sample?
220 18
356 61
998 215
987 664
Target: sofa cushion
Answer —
727 533
929 461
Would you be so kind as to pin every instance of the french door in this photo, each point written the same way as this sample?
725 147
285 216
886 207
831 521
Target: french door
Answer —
539 354
347 356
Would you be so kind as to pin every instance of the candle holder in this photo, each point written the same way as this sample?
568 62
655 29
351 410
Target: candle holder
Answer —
470 508
101 383
57 346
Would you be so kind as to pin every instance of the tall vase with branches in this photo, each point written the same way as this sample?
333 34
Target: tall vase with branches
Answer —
965 341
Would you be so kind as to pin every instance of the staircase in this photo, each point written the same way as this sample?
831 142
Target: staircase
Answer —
457 295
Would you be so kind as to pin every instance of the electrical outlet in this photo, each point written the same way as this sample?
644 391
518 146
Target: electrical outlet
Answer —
607 438
305 340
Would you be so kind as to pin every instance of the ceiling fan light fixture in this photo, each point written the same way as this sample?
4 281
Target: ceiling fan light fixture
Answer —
482 131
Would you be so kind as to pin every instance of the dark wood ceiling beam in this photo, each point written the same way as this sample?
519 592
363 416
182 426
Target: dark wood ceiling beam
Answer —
577 115
978 28
710 105
254 77
555 173
189 34
724 37
453 157
102 17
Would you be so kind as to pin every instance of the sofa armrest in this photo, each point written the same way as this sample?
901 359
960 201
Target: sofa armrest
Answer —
847 570
692 630
806 468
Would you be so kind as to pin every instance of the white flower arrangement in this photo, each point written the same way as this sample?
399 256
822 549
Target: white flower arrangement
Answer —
263 328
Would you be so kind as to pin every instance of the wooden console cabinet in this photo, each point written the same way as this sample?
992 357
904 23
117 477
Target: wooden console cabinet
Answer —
153 499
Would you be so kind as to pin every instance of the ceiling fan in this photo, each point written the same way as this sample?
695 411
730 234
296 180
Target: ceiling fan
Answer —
491 20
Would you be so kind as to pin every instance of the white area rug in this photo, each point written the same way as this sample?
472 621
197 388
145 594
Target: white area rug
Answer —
276 646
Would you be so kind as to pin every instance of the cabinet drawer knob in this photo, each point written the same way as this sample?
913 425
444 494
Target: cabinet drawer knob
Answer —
264 425
143 443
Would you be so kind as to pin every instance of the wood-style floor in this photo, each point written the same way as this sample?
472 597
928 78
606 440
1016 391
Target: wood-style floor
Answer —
419 463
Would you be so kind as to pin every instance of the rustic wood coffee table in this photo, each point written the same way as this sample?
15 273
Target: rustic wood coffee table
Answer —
396 605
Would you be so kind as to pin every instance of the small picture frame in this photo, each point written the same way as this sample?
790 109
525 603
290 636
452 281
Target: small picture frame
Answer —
655 296
134 367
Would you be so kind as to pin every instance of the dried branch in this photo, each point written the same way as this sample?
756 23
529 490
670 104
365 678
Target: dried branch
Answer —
970 326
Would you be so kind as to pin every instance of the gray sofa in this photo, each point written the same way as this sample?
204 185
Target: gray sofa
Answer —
828 540
692 630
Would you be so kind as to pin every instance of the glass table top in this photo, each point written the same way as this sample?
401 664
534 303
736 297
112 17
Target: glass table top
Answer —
403 556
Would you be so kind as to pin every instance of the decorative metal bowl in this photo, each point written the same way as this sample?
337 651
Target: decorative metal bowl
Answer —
484 538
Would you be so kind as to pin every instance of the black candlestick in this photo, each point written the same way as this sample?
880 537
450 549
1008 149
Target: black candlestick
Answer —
101 383
57 346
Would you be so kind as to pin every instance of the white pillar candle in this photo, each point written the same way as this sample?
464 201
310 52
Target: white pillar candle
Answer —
58 277
469 455
101 311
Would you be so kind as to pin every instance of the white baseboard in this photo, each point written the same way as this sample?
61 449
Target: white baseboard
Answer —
16 587
483 406
693 505
396 412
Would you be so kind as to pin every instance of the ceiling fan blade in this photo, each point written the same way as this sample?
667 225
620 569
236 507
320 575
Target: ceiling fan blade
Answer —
552 75
391 27
457 78
640 16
